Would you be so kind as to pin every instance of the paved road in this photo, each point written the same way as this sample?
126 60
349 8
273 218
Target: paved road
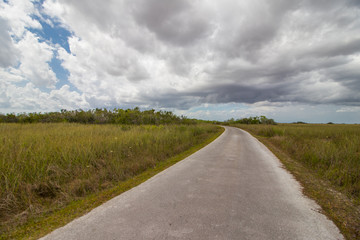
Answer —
234 188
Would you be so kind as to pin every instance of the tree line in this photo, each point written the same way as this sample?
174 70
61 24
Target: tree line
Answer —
251 120
99 116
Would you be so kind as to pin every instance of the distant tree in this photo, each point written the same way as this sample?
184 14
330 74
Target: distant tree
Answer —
299 122
251 120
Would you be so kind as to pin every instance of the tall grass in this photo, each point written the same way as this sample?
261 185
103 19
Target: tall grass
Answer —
333 151
42 165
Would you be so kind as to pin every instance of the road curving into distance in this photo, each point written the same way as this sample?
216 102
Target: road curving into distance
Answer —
234 188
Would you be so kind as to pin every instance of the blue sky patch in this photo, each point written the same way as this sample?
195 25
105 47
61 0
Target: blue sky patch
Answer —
55 34
61 74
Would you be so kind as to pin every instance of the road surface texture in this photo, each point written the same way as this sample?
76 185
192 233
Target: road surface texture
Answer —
234 188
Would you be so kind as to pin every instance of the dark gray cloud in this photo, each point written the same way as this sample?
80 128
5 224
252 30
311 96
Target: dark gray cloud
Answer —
337 48
175 22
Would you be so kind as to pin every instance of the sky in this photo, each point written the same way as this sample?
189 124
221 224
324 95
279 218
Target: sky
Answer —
215 60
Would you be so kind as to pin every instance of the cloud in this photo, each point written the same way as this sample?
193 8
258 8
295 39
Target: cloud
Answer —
181 54
31 99
25 70
348 109
286 112
34 61
218 53
8 54
19 14
24 55
191 24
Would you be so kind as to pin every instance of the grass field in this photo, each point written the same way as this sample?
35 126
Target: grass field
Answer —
46 166
326 159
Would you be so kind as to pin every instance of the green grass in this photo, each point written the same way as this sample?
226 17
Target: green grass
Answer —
326 160
52 173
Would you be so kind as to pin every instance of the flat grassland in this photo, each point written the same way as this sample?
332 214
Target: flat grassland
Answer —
325 158
46 166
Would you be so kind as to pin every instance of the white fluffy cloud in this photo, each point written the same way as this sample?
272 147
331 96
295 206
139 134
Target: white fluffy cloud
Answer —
31 98
32 54
34 61
25 63
18 14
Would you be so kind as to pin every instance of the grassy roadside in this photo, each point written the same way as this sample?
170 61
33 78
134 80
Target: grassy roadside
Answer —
44 222
318 146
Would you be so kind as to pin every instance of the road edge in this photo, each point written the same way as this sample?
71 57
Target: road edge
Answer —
316 189
39 227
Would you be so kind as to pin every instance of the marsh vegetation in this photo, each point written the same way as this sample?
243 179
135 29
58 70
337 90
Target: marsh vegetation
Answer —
46 166
325 158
